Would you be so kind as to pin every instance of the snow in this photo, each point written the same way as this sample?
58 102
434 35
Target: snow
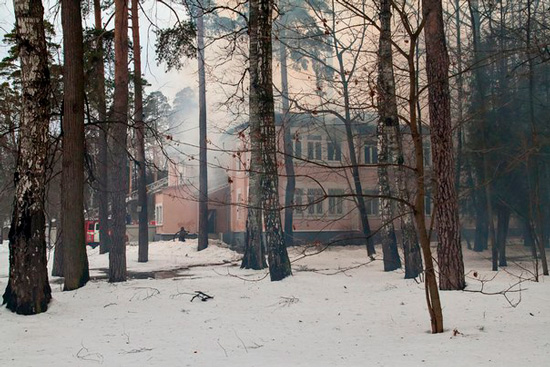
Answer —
338 309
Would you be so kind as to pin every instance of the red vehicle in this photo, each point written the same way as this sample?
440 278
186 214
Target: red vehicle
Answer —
91 229
92 232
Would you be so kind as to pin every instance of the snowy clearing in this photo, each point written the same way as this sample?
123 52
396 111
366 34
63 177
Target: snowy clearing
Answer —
337 310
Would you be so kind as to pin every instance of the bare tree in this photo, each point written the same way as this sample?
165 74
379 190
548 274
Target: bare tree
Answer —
118 133
103 171
296 29
254 253
203 157
414 123
534 166
143 238
451 265
485 229
28 291
388 123
279 263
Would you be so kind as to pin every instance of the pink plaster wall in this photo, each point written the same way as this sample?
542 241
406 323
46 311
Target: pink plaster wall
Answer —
230 202
179 209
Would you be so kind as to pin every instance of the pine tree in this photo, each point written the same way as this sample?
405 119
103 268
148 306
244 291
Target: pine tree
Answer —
118 130
75 259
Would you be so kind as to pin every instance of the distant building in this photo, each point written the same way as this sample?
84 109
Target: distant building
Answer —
321 159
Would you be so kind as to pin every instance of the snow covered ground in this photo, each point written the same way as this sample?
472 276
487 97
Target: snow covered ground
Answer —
337 310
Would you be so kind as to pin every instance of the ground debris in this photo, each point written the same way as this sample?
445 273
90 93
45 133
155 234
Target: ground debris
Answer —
202 296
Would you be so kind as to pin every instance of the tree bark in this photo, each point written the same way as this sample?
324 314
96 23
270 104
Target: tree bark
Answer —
203 158
411 248
103 154
143 237
459 104
57 268
353 160
451 265
288 146
75 258
503 221
254 254
117 253
279 263
388 123
484 210
432 294
481 219
28 291
533 163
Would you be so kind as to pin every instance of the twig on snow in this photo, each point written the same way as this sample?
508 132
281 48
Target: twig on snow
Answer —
85 355
202 296
218 341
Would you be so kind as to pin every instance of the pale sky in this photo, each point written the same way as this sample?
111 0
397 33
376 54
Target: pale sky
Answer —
168 83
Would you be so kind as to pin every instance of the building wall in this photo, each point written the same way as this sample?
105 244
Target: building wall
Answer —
220 201
179 208
311 176
319 174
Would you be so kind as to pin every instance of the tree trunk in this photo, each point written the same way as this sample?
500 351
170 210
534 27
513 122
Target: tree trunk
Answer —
75 259
388 123
254 254
203 159
533 162
484 209
432 294
353 159
459 103
117 253
103 171
143 237
503 215
482 221
288 146
57 268
451 265
411 249
279 263
28 291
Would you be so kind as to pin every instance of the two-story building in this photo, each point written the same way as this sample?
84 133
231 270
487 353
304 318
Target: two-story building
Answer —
324 207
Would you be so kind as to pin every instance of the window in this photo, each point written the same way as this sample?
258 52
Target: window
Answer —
334 151
335 201
298 202
428 204
371 203
371 154
297 149
318 151
315 201
159 215
314 148
427 155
